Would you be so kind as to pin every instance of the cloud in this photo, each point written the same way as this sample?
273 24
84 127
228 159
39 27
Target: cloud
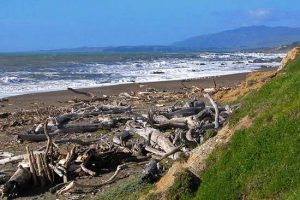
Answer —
259 16
259 13
270 15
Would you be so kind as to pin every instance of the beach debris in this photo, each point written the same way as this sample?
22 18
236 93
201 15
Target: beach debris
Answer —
4 154
16 183
4 100
121 139
89 94
5 114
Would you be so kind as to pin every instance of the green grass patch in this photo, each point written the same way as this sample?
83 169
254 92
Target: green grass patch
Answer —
130 190
102 132
209 134
251 82
184 186
263 161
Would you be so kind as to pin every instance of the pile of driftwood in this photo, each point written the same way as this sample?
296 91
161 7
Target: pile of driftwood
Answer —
137 139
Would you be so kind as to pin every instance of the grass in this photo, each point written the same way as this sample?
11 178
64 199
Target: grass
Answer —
209 134
130 190
102 132
263 161
260 162
185 184
250 82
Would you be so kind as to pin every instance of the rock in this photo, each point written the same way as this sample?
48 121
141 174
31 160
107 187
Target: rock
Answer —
291 56
4 115
258 60
158 72
4 100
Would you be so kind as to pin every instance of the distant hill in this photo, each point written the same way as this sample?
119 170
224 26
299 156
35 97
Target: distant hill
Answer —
121 49
282 48
252 37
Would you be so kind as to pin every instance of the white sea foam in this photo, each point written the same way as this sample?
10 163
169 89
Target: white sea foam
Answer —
92 74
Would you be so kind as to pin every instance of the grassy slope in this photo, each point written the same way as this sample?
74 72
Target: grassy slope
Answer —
262 161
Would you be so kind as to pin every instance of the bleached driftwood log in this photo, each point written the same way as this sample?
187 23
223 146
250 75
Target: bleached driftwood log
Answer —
68 128
160 121
216 110
155 137
183 112
16 158
4 154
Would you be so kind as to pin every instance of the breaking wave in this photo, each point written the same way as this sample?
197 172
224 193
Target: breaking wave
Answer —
50 74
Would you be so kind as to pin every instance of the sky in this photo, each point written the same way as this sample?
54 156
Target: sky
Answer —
28 25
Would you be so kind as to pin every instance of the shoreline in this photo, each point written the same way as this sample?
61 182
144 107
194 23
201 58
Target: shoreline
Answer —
61 97
10 95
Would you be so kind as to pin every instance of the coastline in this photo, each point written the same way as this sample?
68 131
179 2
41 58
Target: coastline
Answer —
61 98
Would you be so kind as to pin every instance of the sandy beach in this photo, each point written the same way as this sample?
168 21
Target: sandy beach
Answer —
60 98
20 113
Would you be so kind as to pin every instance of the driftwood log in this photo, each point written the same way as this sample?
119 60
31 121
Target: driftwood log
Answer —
16 158
162 122
16 183
59 166
151 170
68 128
155 137
216 110
183 112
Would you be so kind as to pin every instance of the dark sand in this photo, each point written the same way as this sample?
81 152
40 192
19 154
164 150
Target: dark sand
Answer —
58 98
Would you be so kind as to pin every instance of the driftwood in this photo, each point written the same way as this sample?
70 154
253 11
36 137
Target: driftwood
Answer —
69 159
151 171
16 158
155 151
16 183
40 170
104 109
74 184
31 166
3 178
56 166
78 141
162 122
85 159
68 128
88 94
6 154
216 110
63 119
121 138
156 138
183 112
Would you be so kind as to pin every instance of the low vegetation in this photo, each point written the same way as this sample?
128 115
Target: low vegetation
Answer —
184 186
263 161
130 190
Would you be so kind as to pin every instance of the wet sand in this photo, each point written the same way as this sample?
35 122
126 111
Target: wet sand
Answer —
59 98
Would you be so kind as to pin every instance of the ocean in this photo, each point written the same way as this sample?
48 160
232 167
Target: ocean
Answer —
33 73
